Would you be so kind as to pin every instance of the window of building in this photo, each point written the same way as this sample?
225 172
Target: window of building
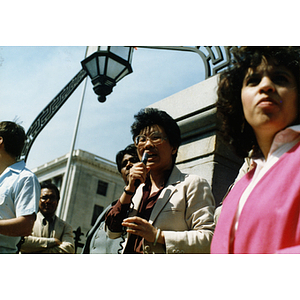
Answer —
96 213
58 181
102 188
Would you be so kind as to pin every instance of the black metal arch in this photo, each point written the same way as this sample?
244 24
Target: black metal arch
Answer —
214 60
49 111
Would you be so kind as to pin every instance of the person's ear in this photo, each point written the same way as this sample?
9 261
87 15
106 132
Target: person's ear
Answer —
174 150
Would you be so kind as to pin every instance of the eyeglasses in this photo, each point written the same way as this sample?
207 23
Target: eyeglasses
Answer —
155 138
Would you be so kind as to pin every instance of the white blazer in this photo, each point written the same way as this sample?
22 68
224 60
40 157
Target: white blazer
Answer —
184 211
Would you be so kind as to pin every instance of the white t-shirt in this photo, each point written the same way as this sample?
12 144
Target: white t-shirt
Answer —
19 196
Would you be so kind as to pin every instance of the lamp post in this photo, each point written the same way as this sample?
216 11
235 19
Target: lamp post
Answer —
106 66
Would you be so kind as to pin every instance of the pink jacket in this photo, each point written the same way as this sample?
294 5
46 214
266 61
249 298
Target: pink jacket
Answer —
270 219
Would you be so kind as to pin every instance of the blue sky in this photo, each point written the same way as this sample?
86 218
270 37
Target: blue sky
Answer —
31 76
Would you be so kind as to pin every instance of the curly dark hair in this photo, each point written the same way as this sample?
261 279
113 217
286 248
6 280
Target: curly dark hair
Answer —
152 116
236 130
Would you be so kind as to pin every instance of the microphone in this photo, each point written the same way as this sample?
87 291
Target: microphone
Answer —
145 158
144 161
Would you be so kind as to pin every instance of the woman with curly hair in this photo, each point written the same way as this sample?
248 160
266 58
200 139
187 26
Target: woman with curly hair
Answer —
258 106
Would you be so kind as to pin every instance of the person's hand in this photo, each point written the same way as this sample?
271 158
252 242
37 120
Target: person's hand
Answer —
57 241
138 173
143 228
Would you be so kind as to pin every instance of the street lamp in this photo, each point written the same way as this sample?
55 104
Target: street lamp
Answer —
106 67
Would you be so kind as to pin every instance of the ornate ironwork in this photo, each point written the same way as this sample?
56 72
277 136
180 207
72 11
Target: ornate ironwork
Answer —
49 111
215 60
215 64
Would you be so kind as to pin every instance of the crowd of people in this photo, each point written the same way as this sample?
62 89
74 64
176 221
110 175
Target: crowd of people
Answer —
163 210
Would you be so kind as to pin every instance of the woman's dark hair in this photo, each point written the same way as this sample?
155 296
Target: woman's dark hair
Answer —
13 137
152 116
130 149
233 125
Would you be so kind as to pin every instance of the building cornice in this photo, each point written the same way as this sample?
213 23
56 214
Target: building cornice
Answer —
79 156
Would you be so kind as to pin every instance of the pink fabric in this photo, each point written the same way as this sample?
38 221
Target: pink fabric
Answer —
269 221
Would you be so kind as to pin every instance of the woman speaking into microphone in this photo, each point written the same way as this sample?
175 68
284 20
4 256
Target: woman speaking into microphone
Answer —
169 212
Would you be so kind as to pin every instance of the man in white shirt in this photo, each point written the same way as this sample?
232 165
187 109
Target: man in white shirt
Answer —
19 189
